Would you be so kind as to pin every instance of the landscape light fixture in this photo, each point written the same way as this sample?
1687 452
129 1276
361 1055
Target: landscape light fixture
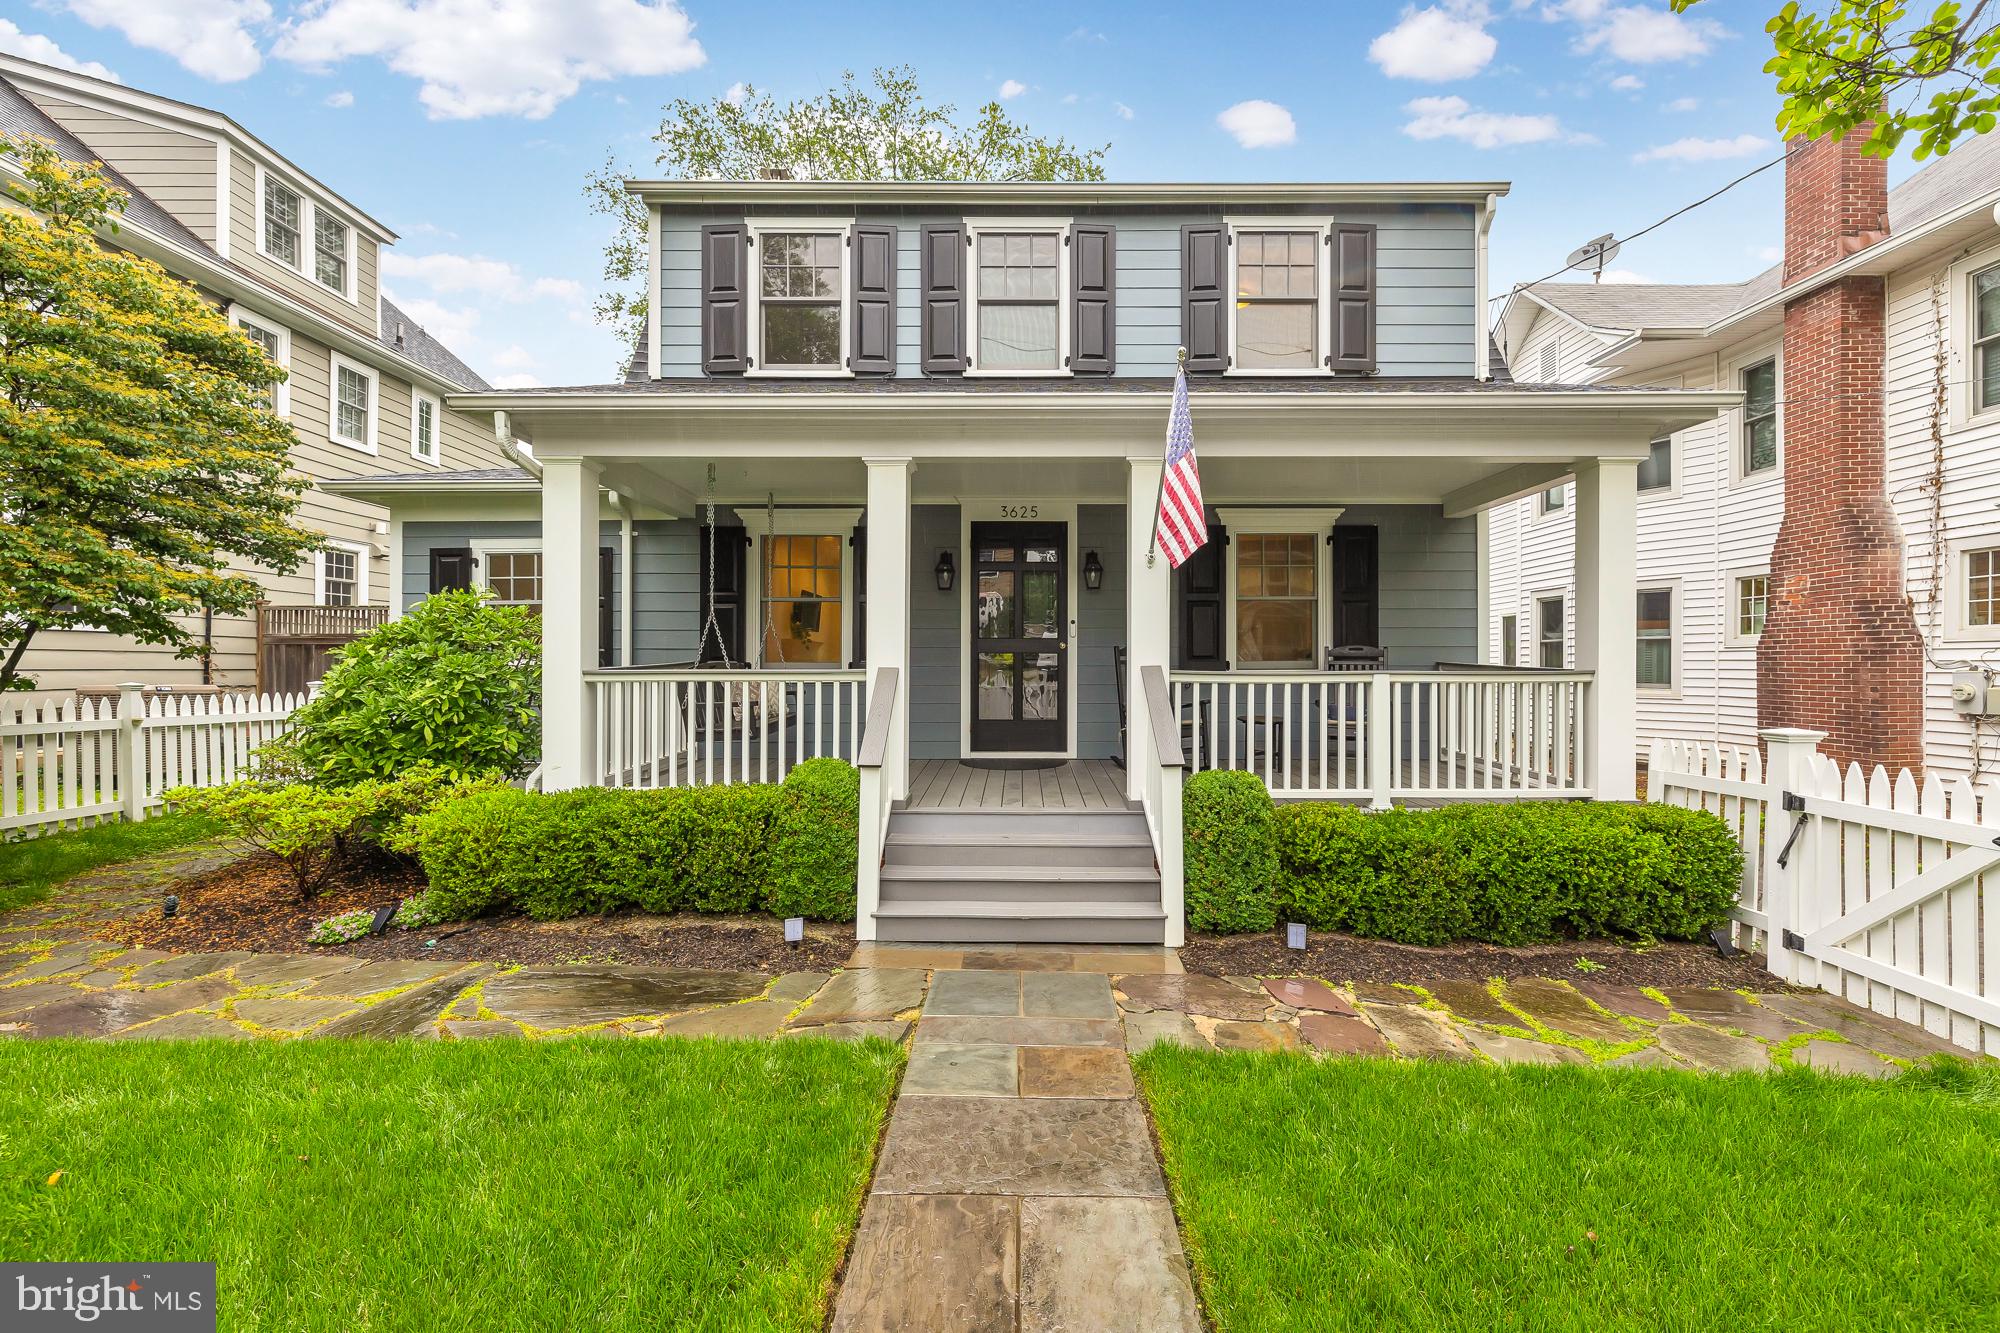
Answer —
1093 571
383 916
945 571
795 929
1295 935
170 905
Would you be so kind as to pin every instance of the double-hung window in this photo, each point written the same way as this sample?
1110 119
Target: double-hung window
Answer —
1986 339
331 240
1657 472
1277 310
1760 418
284 222
1554 500
340 574
1656 638
1277 598
277 344
1549 632
800 300
802 591
354 407
424 427
1751 599
1017 299
1982 588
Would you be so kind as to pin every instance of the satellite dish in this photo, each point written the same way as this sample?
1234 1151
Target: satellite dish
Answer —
1594 254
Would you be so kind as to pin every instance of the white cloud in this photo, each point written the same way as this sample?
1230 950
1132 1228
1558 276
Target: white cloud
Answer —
340 99
210 37
1704 150
1259 124
1011 89
1682 104
1647 36
513 358
1455 118
496 57
738 93
1122 111
1435 45
1070 99
34 46
1627 83
522 381
1770 254
475 274
457 327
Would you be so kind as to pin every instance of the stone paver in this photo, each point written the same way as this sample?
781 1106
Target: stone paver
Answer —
1229 1035
796 987
1146 1029
1706 1048
1040 1145
1067 995
1022 1031
87 1013
884 1029
1838 1057
284 969
975 995
186 966
1338 1034
865 994
377 978
944 1262
960 1069
410 1014
1555 1005
1508 1050
1211 997
573 997
1417 1034
751 1018
1631 1001
1074 1071
1099 1264
182 1026
1466 999
1821 1012
1306 993
290 1016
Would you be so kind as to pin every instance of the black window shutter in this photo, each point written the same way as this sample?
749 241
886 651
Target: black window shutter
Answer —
1357 594
607 571
725 310
943 299
859 541
731 547
874 269
451 568
1352 342
1092 296
1205 296
1198 606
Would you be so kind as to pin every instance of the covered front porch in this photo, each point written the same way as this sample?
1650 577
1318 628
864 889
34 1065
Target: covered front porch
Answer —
916 579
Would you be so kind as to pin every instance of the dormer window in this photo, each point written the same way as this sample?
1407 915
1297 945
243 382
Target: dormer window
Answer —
799 289
284 215
1017 299
288 221
331 238
1277 299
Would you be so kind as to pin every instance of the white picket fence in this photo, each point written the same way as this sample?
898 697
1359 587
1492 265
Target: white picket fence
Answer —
1877 888
70 763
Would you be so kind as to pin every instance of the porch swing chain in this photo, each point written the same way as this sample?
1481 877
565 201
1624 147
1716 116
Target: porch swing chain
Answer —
770 533
722 644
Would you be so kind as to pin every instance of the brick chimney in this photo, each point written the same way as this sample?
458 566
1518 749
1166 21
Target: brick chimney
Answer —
1840 651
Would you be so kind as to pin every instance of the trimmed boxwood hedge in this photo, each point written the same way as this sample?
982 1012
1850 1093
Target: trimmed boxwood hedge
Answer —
738 849
1230 852
1521 873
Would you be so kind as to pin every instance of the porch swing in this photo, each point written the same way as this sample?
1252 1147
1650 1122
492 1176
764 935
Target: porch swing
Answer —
750 705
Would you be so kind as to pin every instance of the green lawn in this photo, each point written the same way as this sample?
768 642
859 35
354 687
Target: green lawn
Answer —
1365 1194
491 1185
32 867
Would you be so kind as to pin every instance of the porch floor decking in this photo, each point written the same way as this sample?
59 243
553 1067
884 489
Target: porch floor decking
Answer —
1078 784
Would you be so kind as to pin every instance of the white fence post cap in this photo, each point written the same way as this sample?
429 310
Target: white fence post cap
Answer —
1800 735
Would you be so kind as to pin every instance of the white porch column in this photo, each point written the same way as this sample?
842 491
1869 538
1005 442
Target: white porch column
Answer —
1149 599
889 596
1607 619
569 620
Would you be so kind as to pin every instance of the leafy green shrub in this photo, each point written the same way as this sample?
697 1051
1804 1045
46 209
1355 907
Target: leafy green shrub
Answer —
815 840
456 682
417 911
1230 862
309 827
342 928
465 845
418 790
1507 874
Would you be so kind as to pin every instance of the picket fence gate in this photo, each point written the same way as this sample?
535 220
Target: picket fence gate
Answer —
70 763
1880 889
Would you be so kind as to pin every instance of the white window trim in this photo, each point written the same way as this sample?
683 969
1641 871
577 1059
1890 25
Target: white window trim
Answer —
1541 501
1732 377
482 547
1672 489
281 392
1512 641
336 363
1323 298
1535 600
1057 227
1962 409
1957 589
758 228
1732 637
1319 522
1671 690
362 555
417 398
309 211
798 523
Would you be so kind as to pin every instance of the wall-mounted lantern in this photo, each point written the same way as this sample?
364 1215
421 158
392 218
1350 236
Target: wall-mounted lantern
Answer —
1093 571
944 571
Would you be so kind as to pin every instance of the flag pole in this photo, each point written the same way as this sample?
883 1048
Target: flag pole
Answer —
1159 497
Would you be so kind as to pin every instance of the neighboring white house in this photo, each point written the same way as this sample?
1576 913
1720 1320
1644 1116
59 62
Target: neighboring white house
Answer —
294 263
1713 496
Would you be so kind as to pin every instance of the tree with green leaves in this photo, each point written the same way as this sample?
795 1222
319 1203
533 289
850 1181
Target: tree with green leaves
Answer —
849 133
1868 61
139 455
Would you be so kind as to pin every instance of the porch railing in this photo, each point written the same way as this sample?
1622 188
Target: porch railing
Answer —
1459 734
675 728
878 758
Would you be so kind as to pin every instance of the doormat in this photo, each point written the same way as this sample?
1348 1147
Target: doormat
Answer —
1013 765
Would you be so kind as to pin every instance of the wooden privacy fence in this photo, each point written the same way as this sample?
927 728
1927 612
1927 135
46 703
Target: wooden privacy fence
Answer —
70 763
1881 889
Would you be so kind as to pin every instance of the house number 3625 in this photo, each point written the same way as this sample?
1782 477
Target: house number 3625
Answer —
1020 511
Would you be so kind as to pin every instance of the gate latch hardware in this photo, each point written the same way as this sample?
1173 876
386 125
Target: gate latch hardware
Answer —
1794 941
1796 804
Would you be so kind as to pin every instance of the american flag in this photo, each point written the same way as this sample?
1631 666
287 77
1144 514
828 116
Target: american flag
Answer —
1181 529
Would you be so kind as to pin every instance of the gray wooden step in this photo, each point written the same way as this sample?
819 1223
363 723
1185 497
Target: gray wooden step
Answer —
1015 823
987 922
1119 846
1000 882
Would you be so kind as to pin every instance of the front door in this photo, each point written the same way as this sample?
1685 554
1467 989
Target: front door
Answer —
1020 649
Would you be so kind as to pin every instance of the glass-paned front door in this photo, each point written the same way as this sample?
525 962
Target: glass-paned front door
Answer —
1020 637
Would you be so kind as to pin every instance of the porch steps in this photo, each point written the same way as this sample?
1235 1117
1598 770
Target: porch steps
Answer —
1020 876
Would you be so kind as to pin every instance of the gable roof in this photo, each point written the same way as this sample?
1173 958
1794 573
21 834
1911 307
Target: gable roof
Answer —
404 336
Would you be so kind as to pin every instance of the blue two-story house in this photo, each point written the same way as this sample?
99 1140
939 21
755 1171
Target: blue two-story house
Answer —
881 483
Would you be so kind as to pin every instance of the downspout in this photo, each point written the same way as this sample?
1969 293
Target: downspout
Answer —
1482 361
503 434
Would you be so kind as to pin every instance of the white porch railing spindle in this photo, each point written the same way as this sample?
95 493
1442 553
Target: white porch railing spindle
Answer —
676 728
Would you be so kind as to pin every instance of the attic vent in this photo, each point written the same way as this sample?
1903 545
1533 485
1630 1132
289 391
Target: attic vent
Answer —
774 173
399 333
1551 361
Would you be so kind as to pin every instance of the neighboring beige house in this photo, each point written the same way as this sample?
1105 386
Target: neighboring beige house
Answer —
295 264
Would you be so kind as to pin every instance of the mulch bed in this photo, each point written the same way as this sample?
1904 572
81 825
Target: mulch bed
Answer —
251 905
1346 958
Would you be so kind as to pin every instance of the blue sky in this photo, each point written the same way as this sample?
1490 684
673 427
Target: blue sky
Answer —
468 125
